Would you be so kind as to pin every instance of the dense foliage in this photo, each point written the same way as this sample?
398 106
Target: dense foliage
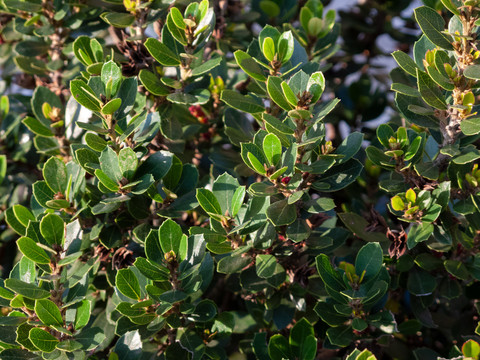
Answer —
202 180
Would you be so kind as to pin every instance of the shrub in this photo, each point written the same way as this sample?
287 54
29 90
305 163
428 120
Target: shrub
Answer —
175 189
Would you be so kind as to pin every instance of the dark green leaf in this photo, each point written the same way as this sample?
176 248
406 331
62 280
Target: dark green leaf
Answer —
119 20
152 83
369 260
249 65
161 53
430 92
85 95
25 289
241 102
281 213
37 127
43 340
405 62
274 88
82 315
278 348
208 202
127 283
31 250
52 229
48 312
55 175
432 25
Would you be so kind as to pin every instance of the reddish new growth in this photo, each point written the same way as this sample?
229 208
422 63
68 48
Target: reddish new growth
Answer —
286 180
197 111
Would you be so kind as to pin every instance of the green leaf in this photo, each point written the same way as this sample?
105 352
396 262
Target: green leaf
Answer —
256 164
25 289
349 147
330 315
55 175
162 53
285 46
432 25
274 89
299 342
152 83
224 323
43 340
249 65
421 283
30 65
272 148
470 126
450 6
31 250
170 235
119 20
85 95
233 264
278 348
328 274
177 18
82 315
48 312
369 260
111 76
268 48
268 31
299 230
471 349
150 270
281 213
340 176
224 188
440 79
419 233
112 106
95 142
42 193
22 214
472 72
108 183
205 311
157 164
316 85
29 6
208 202
3 167
237 200
37 127
457 268
289 94
109 164
265 265
177 33
207 66
69 345
405 62
270 8
277 124
127 283
405 90
52 229
241 102
430 92
128 162
341 335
